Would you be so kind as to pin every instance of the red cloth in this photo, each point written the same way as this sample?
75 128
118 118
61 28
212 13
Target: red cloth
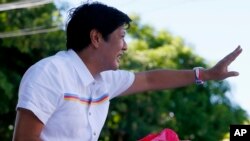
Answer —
165 135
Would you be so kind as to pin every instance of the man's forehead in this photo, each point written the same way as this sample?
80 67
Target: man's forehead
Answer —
121 28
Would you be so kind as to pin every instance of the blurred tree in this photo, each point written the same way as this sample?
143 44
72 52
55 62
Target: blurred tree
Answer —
19 50
199 113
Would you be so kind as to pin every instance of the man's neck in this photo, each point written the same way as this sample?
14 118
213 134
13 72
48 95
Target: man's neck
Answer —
89 59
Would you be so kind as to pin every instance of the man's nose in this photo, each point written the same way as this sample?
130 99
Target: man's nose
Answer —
125 46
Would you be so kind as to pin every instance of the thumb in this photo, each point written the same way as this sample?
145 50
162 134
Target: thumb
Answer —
232 73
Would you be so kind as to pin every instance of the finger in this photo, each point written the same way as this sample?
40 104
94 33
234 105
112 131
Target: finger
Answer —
233 55
232 73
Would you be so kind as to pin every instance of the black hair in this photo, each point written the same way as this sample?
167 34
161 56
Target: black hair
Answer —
88 16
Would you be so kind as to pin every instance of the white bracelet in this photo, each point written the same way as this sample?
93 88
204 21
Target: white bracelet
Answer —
197 73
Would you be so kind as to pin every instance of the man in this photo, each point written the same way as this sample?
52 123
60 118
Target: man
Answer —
65 97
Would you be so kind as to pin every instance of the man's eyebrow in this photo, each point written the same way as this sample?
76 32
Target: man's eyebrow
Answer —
124 31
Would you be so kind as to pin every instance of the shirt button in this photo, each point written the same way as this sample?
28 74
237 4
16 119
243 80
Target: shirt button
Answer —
94 133
89 113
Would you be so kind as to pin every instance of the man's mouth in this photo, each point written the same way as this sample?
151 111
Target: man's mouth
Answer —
119 57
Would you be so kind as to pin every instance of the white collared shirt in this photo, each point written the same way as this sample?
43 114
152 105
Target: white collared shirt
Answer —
63 94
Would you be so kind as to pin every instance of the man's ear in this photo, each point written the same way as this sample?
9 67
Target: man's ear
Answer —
95 37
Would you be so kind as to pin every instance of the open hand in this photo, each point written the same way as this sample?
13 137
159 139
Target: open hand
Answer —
220 70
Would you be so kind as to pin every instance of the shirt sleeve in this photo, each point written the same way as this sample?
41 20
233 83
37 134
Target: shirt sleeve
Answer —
118 81
39 91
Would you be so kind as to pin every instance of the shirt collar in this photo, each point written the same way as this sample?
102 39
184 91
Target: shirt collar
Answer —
82 70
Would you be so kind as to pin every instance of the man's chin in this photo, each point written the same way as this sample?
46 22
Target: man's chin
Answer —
114 67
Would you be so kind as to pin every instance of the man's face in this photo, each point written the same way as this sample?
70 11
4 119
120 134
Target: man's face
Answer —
113 49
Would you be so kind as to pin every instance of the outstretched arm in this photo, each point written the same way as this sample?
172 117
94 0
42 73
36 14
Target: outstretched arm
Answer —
166 79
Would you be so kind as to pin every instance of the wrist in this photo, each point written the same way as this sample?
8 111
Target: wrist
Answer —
207 74
200 75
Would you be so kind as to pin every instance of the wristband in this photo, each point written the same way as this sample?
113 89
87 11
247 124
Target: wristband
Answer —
197 73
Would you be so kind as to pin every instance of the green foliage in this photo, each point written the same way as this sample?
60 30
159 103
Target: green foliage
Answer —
17 53
194 112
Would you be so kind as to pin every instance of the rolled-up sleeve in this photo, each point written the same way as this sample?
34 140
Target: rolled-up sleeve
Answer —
118 81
